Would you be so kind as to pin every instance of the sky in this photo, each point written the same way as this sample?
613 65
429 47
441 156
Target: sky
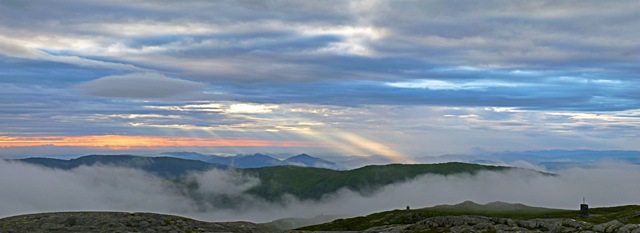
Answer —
400 79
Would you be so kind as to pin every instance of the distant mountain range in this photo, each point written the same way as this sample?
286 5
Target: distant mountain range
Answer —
257 160
547 159
175 164
178 164
537 159
166 167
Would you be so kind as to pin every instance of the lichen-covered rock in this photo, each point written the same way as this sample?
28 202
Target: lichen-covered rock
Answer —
489 224
629 228
485 224
611 226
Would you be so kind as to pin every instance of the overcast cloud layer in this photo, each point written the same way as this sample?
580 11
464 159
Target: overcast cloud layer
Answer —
396 78
119 189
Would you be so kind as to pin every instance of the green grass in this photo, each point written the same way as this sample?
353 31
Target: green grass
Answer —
298 181
624 214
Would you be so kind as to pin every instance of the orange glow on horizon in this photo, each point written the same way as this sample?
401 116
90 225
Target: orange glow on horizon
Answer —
126 142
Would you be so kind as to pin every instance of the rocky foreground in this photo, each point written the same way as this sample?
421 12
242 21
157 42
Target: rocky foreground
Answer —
114 222
492 224
149 222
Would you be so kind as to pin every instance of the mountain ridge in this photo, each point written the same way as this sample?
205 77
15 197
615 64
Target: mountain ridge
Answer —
313 183
258 160
166 167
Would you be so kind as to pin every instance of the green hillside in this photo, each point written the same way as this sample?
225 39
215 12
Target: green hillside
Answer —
625 214
313 183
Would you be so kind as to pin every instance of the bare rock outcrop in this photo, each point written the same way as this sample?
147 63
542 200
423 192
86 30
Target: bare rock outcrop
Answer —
119 222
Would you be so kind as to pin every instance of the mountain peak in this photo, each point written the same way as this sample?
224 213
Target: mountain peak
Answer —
302 156
258 155
310 161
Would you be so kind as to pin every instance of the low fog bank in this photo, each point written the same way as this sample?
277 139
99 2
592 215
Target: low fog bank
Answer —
29 189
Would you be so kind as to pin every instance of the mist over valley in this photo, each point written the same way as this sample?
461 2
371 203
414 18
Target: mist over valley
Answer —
213 192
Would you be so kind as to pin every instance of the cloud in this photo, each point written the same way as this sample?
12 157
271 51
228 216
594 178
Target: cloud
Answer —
17 49
12 48
504 34
218 182
540 57
85 188
140 85
251 108
443 85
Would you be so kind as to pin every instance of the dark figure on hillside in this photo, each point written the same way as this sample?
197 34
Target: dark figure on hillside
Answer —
584 209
